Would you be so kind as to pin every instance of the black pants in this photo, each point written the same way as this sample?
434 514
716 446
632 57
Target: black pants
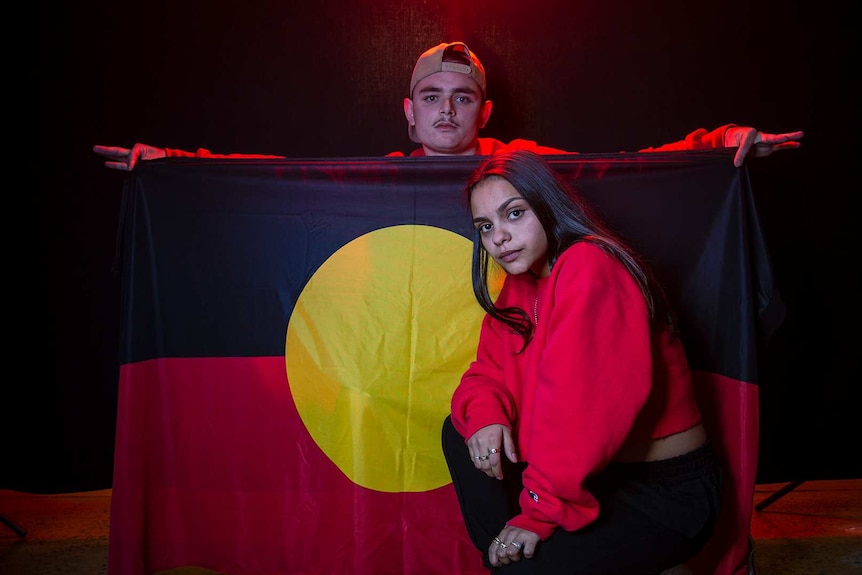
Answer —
653 515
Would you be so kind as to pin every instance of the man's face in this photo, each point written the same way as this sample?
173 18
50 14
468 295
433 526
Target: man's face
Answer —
447 111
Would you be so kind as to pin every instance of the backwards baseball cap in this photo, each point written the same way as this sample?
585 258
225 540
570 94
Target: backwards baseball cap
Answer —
452 57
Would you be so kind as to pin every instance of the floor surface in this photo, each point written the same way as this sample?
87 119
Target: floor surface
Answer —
814 529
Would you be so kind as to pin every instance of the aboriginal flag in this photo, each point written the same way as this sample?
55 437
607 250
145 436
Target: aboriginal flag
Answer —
292 332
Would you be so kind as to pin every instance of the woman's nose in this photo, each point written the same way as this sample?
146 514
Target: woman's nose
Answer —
500 236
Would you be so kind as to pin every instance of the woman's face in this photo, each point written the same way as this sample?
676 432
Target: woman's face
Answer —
510 231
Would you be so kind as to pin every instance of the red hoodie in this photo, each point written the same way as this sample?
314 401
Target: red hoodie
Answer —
594 375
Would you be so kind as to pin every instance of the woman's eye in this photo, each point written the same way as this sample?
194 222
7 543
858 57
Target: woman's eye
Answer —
515 214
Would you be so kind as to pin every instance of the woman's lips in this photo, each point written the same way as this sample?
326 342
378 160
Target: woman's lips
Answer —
510 256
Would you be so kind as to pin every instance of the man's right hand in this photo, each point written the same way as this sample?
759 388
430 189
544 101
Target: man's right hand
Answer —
125 158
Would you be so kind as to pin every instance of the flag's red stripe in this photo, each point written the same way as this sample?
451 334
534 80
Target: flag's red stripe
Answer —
214 467
732 418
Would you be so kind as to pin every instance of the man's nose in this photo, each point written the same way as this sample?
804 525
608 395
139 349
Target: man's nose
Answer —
446 107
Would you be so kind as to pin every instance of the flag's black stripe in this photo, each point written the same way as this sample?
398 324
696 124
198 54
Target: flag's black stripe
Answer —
214 253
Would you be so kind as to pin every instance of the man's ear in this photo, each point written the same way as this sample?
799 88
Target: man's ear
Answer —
486 113
408 111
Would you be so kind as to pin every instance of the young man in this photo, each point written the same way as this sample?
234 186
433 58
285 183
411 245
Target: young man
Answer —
447 106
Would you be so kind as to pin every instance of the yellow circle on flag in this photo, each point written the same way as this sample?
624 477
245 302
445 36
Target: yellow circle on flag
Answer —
375 346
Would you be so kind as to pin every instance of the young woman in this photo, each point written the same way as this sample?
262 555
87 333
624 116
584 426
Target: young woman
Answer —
574 442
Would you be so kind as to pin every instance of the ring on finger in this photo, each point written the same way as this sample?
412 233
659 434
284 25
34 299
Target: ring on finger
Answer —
517 545
493 450
482 457
497 541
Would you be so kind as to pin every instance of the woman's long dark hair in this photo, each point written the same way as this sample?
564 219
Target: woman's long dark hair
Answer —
566 219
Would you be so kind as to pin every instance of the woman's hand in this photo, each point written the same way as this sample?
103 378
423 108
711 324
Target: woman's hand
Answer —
511 544
487 447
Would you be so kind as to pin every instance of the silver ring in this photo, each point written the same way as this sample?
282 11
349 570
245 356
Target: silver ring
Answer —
478 457
497 541
482 457
493 450
517 545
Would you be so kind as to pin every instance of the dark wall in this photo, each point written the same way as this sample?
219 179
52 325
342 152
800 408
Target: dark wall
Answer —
327 80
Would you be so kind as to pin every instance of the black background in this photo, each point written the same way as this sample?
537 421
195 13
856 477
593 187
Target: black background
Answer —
328 79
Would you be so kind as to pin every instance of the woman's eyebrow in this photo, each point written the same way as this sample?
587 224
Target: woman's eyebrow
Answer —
500 209
506 203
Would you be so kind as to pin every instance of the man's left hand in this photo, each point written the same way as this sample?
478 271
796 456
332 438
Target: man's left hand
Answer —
758 144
